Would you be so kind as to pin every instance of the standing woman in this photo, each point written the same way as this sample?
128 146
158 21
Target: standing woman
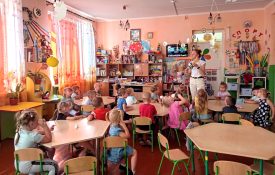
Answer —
196 68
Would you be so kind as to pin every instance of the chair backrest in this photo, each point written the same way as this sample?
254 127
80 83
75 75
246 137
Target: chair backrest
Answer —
87 108
114 142
80 164
163 141
229 167
246 122
142 121
185 116
231 117
55 115
28 154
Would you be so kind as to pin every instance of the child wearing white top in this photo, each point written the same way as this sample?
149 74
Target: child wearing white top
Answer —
222 93
130 100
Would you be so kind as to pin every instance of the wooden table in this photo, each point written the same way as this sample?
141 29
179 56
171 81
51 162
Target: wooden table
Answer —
106 100
252 142
7 120
161 110
75 131
218 105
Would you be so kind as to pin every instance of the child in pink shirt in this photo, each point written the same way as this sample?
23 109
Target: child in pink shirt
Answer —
175 109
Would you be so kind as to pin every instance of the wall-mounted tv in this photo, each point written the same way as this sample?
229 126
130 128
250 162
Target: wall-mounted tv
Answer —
176 50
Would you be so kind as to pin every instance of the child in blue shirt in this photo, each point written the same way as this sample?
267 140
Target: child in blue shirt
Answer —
118 128
122 104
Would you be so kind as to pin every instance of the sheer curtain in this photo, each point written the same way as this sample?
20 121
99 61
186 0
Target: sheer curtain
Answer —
11 42
76 52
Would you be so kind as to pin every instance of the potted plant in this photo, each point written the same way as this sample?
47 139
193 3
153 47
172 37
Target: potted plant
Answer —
36 76
13 88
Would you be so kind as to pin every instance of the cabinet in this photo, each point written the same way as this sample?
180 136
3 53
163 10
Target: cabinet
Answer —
233 85
141 69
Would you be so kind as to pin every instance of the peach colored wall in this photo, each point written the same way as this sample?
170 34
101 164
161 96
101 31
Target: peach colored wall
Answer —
269 14
173 29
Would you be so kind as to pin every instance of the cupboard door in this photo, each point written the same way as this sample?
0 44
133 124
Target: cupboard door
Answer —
141 69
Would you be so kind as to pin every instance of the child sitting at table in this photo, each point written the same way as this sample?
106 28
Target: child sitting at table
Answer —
261 117
97 87
254 99
130 100
91 94
99 112
201 105
222 93
175 109
122 105
67 96
180 92
76 95
66 111
147 110
230 105
27 137
155 94
118 128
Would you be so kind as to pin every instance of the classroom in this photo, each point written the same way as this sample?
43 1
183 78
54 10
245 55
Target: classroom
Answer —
137 87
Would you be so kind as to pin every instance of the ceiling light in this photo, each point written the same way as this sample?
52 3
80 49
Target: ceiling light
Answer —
124 25
214 18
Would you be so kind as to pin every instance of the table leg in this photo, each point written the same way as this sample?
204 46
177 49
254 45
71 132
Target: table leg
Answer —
192 155
97 154
206 162
261 167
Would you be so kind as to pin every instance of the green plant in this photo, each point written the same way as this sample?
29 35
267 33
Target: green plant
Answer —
15 94
263 62
12 86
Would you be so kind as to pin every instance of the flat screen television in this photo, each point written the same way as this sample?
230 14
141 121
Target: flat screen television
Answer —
176 50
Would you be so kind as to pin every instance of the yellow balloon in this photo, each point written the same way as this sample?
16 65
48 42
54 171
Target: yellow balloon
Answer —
52 61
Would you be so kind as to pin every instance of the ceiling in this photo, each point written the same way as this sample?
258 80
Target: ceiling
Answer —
112 9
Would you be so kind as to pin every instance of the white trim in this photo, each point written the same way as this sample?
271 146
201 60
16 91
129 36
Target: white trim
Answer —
190 14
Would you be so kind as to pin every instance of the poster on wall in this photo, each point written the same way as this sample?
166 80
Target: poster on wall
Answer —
135 34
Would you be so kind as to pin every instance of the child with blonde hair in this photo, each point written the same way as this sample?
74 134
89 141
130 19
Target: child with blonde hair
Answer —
147 110
130 100
118 128
67 97
66 112
121 103
28 137
97 87
175 109
201 105
261 117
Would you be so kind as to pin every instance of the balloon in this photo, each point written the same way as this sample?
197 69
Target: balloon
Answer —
207 37
52 61
207 57
136 47
205 51
60 10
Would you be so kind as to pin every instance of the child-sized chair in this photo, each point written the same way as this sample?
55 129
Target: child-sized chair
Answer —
28 154
229 167
244 122
174 155
143 121
269 168
114 142
87 108
82 165
231 117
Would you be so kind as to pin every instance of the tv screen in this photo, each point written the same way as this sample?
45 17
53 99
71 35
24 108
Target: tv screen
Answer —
176 50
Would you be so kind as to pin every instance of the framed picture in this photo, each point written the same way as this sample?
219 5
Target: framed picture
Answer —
135 34
150 35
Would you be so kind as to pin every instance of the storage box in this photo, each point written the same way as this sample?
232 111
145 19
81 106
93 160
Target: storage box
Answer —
232 86
246 91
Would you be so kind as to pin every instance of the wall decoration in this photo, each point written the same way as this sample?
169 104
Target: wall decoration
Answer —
150 35
146 46
136 47
247 34
60 10
207 37
135 34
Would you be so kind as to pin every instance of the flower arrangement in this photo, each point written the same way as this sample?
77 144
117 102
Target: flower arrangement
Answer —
12 86
36 76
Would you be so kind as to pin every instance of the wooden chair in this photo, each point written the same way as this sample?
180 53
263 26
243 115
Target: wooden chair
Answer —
114 142
269 168
229 167
231 117
246 122
81 166
174 155
143 121
183 116
28 154
87 108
